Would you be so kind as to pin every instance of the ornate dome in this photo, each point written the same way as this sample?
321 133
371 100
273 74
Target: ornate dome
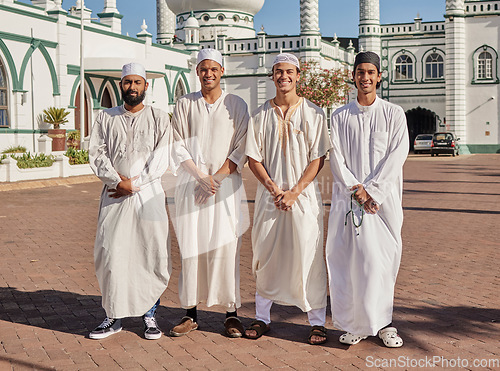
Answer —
245 6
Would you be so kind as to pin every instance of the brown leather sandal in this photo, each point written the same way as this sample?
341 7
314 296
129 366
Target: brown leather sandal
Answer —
260 327
233 327
317 331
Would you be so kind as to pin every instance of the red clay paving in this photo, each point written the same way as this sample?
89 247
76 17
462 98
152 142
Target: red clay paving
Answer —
447 304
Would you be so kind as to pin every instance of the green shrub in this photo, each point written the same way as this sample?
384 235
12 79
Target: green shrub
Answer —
55 116
77 157
2 157
28 161
15 149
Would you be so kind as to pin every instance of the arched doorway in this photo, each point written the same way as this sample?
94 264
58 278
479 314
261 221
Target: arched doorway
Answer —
179 91
106 99
86 131
420 121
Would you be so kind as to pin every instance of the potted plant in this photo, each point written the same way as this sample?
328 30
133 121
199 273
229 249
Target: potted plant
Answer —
73 139
56 117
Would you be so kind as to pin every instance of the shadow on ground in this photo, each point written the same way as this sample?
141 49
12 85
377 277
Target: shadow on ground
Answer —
78 314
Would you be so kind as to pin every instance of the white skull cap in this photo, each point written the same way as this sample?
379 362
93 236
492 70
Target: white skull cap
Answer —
211 54
134 69
287 58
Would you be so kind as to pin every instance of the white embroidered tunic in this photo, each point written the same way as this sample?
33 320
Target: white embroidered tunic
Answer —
288 261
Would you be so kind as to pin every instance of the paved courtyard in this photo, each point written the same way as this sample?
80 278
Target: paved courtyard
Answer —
447 302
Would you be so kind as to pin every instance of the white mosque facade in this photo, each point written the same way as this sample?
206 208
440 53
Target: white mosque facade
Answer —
443 73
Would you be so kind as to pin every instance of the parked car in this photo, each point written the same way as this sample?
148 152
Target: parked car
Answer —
422 143
444 143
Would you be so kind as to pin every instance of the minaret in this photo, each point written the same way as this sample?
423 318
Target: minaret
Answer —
309 17
310 37
111 16
165 23
369 25
455 72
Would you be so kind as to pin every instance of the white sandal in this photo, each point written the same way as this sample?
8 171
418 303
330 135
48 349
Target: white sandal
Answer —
351 339
390 337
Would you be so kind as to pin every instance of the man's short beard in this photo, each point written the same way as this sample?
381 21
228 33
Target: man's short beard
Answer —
133 101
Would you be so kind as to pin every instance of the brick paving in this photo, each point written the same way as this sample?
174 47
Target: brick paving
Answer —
447 296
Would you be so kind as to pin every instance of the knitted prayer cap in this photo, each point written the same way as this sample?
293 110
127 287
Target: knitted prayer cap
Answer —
287 58
134 69
367 57
211 54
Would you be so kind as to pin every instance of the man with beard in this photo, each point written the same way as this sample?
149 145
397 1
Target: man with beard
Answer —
129 152
287 142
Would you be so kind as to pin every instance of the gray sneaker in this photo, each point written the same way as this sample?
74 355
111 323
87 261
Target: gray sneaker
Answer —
108 327
151 329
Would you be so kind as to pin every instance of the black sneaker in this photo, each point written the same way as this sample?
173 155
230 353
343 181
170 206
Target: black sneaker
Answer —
108 327
151 329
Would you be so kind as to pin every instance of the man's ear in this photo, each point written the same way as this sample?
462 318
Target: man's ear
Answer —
146 86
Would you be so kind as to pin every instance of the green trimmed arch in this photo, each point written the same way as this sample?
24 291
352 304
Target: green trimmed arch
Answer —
37 44
393 67
12 66
180 75
169 90
113 86
76 85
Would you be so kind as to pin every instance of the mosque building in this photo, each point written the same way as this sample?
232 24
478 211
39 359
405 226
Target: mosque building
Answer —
444 73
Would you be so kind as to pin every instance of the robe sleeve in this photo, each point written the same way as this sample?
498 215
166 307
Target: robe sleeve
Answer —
386 173
179 126
320 140
338 165
158 162
99 159
239 140
254 140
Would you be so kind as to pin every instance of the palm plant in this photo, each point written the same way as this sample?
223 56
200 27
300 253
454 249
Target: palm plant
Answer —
55 116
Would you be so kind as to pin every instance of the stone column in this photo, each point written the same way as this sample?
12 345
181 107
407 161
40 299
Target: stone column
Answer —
455 70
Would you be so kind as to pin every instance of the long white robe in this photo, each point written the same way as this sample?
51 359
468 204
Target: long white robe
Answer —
209 235
288 261
370 146
132 246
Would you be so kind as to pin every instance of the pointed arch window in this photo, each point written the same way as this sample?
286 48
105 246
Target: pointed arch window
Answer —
4 107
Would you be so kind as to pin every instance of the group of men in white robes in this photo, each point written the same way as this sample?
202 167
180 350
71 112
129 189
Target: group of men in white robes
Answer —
285 141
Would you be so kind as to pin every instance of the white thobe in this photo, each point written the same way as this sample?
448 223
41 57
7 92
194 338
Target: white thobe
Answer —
132 246
288 262
370 146
209 235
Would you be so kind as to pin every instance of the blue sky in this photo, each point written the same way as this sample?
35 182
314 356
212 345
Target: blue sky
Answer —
282 16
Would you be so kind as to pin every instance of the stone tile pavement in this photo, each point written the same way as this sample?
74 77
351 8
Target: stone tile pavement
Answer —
447 303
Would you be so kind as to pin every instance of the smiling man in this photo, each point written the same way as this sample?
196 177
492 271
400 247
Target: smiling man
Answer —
287 143
370 146
210 131
129 152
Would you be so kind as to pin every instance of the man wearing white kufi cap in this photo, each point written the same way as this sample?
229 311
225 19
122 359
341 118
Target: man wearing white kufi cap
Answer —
287 142
209 132
129 152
